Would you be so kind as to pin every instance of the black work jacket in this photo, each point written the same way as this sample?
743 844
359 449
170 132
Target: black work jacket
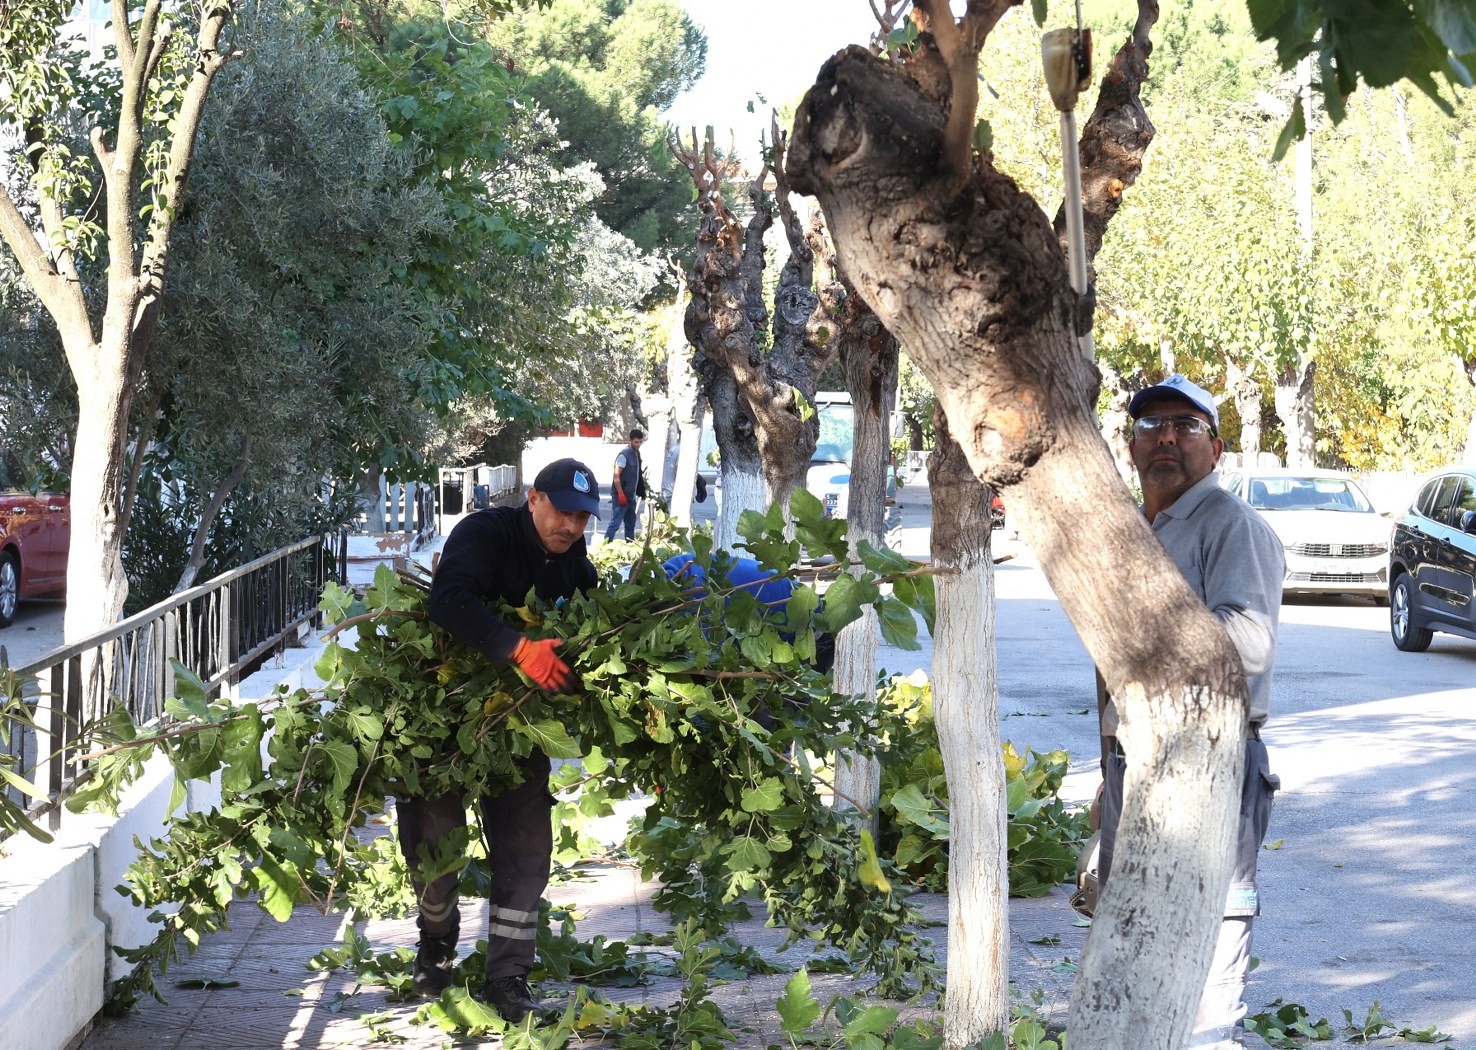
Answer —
494 555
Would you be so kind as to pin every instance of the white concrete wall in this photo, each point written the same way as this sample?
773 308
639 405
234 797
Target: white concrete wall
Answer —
60 913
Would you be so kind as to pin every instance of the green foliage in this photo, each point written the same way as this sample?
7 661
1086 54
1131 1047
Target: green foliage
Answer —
861 1027
18 717
605 71
703 701
1374 1024
1288 1026
1044 837
1285 1024
1028 1031
45 89
1376 45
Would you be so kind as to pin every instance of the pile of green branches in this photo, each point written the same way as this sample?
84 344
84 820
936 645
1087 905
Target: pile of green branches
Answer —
703 701
1043 837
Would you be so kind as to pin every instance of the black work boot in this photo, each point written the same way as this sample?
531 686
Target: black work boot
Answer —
434 962
512 998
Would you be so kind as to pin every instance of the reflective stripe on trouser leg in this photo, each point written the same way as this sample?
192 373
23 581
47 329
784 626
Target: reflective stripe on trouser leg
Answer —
512 925
425 821
1219 1021
519 847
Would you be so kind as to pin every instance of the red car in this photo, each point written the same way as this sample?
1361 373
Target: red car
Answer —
35 532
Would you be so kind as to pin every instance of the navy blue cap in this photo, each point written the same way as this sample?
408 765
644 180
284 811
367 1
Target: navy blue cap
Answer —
570 486
1176 386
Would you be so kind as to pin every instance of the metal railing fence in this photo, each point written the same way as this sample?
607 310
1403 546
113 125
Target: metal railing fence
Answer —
221 631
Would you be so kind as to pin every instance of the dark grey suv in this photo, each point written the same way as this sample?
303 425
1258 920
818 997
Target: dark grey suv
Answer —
1432 562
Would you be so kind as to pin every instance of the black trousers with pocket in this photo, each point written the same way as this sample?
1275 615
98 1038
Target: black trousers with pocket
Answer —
519 837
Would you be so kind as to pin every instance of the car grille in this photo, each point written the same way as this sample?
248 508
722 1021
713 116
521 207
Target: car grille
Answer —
1339 550
1334 577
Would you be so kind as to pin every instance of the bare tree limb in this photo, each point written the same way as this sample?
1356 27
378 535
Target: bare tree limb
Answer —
208 515
122 36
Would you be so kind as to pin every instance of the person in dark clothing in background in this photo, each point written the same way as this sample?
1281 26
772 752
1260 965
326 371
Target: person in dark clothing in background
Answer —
626 486
501 554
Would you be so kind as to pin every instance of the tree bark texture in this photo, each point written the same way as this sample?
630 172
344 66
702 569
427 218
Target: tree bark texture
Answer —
207 518
868 356
1246 390
966 711
1116 424
1297 407
727 317
970 276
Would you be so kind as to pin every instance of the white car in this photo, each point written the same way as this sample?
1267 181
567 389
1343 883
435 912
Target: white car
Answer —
1336 543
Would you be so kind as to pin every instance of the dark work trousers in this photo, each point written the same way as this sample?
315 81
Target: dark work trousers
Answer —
618 515
519 838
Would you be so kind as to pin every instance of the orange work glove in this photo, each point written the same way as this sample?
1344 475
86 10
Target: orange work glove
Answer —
620 495
539 663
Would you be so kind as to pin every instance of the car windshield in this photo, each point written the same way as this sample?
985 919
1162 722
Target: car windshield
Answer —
1307 493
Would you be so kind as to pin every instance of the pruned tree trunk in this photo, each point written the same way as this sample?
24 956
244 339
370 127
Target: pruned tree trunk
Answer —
869 359
965 270
775 385
1246 390
1296 406
108 366
739 465
966 711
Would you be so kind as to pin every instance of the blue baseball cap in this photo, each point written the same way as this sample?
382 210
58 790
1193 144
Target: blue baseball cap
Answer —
1177 386
569 486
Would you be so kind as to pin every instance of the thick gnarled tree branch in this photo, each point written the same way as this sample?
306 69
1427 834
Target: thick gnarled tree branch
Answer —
971 277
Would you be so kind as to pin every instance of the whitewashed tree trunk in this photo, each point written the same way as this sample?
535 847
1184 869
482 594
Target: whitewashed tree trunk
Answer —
1116 424
1469 454
742 490
1298 412
857 778
869 358
684 488
371 499
96 584
1247 393
966 711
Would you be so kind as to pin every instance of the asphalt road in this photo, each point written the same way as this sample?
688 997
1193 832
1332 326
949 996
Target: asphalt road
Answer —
36 631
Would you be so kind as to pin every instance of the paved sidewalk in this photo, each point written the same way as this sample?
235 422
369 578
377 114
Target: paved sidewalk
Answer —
278 1003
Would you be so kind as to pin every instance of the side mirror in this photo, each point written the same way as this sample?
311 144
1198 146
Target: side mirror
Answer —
1468 521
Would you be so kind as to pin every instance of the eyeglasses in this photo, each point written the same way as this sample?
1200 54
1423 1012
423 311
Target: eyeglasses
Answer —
1184 426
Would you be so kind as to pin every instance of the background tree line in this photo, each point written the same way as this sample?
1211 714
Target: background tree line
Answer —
406 238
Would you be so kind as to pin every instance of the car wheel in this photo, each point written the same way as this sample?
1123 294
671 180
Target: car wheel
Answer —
1408 635
9 588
